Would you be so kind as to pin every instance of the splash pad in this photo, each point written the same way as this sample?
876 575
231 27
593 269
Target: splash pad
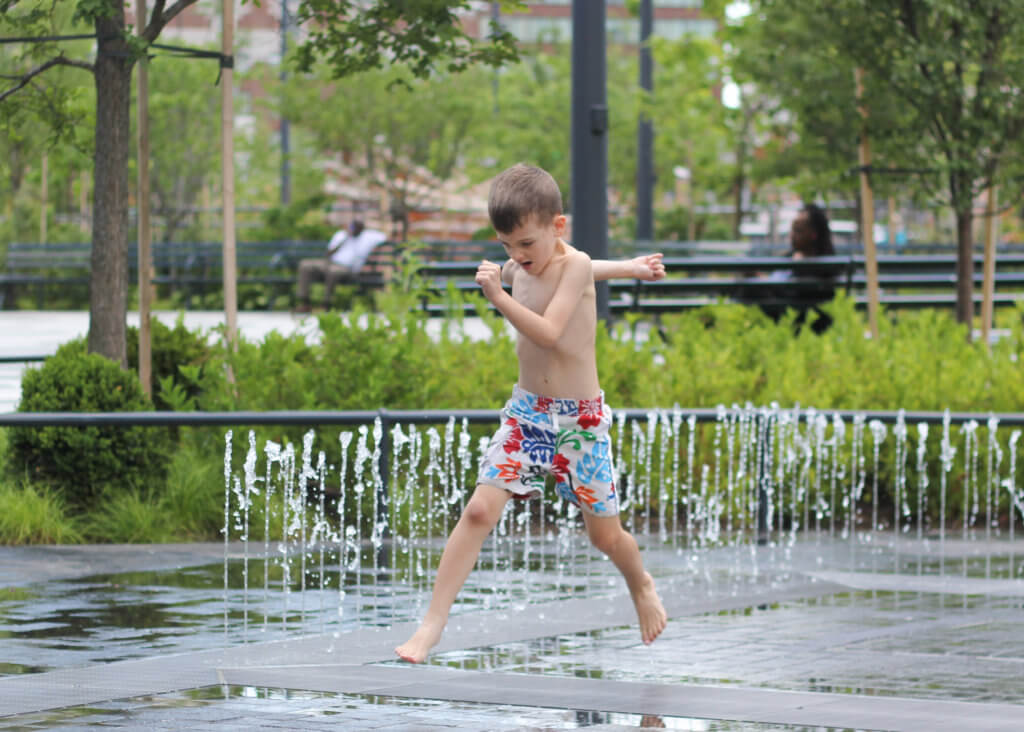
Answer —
731 496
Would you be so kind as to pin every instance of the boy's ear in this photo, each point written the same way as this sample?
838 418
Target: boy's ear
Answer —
559 223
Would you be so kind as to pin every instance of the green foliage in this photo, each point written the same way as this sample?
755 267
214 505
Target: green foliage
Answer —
129 517
84 461
183 96
421 37
939 93
178 358
34 515
194 496
395 357
89 11
689 118
387 134
528 119
301 220
49 116
729 354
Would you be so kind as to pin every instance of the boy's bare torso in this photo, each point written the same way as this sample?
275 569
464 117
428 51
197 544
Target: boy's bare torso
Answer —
569 369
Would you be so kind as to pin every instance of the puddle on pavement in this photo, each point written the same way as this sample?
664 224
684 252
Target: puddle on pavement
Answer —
908 644
114 617
224 706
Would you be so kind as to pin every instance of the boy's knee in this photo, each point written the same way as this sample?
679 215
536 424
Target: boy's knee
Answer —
479 513
607 538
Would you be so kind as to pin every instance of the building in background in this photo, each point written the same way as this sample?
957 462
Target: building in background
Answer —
550 21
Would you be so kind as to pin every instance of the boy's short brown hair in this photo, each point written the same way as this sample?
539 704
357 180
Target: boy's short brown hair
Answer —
520 192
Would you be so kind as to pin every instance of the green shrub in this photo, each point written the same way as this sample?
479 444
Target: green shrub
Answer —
179 356
83 461
129 517
194 496
724 354
31 515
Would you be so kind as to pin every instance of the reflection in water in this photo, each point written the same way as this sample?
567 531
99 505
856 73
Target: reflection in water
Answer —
286 709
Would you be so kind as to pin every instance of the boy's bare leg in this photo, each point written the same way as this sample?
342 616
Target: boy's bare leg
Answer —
460 552
606 533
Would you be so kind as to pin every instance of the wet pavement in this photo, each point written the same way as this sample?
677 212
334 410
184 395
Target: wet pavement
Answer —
905 635
812 636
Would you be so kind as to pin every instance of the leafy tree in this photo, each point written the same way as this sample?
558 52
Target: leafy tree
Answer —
349 35
529 120
396 133
942 89
182 96
689 119
48 119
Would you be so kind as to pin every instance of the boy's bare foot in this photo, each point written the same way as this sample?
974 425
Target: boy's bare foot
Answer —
649 610
417 648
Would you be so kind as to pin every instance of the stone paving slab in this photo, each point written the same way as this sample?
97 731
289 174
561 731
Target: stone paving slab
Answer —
946 584
28 693
779 633
679 700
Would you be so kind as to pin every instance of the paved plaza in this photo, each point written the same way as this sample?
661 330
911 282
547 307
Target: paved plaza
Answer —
821 644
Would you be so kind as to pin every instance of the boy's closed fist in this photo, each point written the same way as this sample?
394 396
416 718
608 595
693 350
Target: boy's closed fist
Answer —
648 267
488 276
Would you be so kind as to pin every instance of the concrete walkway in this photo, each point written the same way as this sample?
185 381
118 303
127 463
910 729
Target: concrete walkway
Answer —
828 649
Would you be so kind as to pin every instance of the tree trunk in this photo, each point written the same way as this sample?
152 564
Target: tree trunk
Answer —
965 269
109 274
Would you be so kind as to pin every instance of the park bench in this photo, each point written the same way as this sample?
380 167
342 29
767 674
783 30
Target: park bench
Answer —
45 269
905 281
192 268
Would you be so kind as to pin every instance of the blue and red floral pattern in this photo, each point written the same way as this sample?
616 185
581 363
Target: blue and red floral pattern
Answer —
566 438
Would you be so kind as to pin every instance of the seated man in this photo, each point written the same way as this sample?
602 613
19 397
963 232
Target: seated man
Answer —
347 251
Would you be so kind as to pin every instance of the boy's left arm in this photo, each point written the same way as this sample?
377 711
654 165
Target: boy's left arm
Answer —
648 267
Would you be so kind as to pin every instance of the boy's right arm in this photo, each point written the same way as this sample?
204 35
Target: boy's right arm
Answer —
545 328
648 267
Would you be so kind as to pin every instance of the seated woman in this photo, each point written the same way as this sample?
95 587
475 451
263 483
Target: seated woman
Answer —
809 237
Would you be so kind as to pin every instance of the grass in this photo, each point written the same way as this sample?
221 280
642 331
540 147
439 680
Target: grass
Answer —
128 518
35 515
194 496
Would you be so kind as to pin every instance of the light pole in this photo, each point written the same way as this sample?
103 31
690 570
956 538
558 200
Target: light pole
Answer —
645 133
589 191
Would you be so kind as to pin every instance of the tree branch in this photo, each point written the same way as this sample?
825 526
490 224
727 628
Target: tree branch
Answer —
55 61
158 10
159 20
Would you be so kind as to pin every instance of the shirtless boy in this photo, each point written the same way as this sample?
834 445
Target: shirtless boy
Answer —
556 421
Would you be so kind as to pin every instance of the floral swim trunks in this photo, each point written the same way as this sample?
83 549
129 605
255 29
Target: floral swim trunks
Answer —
566 438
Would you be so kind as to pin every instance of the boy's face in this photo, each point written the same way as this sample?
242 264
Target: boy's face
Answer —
532 244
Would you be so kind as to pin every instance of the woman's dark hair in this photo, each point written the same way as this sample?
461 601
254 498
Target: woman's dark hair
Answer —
818 220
